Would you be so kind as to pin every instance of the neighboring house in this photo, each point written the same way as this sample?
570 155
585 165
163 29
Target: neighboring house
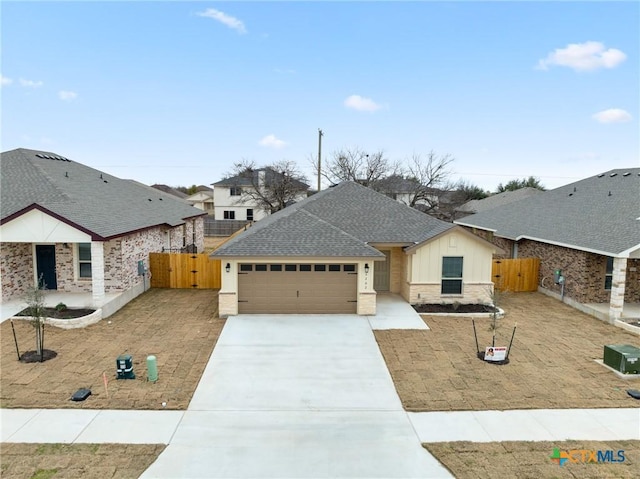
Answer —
202 199
334 251
494 201
405 191
233 198
589 230
171 191
82 230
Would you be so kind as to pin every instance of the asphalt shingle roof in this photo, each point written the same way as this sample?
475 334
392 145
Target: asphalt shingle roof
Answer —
500 199
104 205
598 214
253 179
336 222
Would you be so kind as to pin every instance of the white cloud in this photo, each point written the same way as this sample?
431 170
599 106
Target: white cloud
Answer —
583 57
225 19
4 81
67 95
272 142
360 103
30 83
612 115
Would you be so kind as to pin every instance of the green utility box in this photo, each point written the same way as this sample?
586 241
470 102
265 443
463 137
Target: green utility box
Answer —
622 357
124 367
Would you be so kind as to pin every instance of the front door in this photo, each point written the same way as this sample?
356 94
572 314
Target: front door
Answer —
46 265
381 273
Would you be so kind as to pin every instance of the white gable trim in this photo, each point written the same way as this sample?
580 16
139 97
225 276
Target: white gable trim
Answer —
35 226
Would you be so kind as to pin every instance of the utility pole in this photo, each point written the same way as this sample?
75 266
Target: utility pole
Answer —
319 157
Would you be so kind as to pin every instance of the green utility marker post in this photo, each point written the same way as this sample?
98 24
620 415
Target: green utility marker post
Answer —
152 369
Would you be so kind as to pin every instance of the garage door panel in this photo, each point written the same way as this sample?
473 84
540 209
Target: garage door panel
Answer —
297 292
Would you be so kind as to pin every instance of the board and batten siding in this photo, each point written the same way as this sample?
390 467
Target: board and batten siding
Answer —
426 262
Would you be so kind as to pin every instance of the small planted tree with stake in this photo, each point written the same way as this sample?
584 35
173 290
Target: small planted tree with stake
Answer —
493 354
34 297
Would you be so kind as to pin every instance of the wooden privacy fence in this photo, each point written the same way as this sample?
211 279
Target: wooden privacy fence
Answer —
184 270
516 275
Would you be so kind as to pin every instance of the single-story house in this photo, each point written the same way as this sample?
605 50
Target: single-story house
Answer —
336 250
170 190
494 201
83 231
588 232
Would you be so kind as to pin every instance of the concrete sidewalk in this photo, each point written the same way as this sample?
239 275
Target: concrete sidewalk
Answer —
159 427
527 425
70 426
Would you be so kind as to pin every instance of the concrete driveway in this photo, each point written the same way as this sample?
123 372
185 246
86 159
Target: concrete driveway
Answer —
295 396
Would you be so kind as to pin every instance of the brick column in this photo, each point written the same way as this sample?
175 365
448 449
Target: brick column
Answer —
616 302
97 273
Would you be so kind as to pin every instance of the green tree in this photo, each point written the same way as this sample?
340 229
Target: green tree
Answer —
530 182
468 192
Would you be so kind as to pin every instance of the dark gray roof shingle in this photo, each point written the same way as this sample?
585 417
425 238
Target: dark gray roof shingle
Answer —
598 214
252 177
104 205
500 199
339 222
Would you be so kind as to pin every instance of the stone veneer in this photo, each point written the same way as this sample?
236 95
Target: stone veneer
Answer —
397 272
367 303
227 304
429 293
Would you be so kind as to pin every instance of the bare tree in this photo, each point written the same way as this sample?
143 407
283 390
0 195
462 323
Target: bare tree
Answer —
272 187
428 175
353 164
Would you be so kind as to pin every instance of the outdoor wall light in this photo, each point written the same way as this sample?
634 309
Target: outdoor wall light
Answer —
228 267
366 267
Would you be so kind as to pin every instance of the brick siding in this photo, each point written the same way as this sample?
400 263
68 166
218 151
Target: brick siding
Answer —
584 272
121 258
16 269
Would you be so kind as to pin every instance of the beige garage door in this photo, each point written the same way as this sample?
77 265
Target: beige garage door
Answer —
297 288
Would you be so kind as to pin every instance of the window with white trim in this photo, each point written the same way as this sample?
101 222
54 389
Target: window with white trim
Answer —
229 215
84 260
451 275
235 191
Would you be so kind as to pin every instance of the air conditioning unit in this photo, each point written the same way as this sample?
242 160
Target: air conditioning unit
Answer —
623 358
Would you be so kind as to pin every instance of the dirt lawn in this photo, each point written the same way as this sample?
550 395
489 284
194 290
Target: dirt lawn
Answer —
551 363
179 326
532 460
91 461
212 242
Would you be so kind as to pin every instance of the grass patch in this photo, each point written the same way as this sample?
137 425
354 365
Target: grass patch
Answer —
44 473
45 461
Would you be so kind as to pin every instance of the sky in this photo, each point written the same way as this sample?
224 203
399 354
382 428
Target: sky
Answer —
176 92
